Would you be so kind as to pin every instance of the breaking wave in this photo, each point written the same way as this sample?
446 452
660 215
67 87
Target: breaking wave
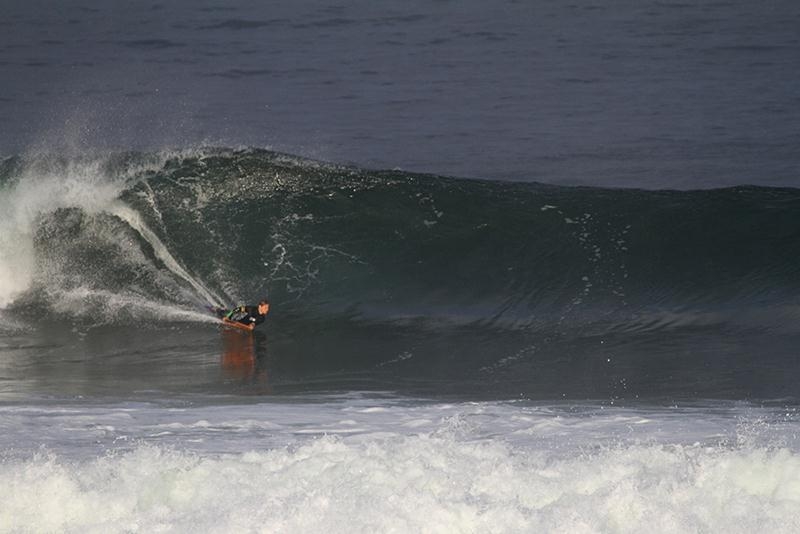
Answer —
512 279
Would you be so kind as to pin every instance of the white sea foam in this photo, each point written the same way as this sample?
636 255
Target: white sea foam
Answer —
337 466
45 186
36 193
407 484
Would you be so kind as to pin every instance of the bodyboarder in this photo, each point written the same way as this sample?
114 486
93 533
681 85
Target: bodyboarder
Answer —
246 315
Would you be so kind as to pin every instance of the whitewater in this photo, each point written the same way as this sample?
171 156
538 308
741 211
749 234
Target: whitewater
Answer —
378 463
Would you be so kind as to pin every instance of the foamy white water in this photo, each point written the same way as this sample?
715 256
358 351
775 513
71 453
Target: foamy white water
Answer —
39 192
354 464
46 186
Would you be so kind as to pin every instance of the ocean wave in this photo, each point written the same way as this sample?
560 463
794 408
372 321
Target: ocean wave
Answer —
395 246
416 484
512 280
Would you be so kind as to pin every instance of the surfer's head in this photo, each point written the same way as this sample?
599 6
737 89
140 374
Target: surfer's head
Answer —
263 307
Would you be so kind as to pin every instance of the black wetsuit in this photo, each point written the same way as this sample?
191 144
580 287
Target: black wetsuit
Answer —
243 314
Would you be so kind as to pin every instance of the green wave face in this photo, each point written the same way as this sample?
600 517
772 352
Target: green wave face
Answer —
380 245
223 225
509 279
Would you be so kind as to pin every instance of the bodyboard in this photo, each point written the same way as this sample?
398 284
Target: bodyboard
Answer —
219 313
237 324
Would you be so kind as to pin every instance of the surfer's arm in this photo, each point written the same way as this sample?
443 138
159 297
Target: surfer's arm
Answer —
234 311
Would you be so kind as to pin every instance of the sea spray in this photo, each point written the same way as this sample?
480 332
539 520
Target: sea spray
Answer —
35 193
135 221
47 186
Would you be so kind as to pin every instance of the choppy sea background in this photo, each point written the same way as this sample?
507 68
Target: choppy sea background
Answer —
532 265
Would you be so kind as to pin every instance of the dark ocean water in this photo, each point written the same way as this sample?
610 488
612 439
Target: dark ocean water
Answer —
533 266
646 94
